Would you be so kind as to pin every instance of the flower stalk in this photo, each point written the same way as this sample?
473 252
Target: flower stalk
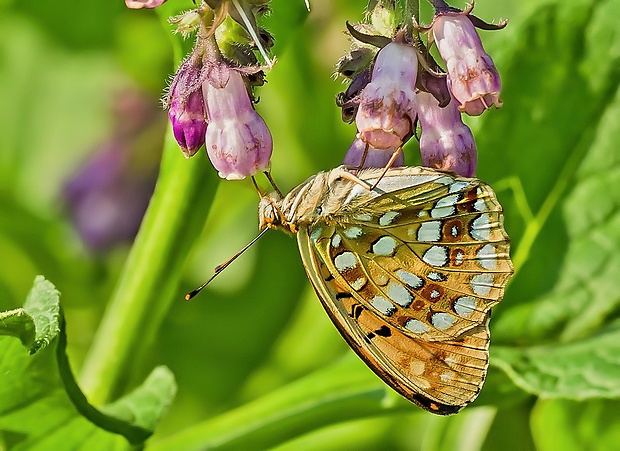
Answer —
149 280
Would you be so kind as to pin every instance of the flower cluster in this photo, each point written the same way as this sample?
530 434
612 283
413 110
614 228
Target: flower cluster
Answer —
395 86
403 86
210 100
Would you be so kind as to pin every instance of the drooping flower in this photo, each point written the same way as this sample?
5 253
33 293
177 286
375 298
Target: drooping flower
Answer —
446 142
373 158
188 122
387 104
186 106
472 76
137 4
238 141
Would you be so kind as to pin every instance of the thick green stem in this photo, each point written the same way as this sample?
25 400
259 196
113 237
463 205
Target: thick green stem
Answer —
149 281
150 278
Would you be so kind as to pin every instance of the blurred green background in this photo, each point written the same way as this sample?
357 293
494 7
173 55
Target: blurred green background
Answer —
551 153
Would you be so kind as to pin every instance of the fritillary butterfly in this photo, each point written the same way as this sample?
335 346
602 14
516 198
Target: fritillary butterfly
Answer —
408 272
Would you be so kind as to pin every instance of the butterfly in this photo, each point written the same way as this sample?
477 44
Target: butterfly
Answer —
407 264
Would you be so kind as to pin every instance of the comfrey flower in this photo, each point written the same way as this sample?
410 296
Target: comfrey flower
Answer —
446 142
386 110
188 122
238 141
472 76
363 155
210 100
186 107
137 4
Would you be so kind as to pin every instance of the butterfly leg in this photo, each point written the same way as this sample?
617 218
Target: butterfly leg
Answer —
343 172
388 166
273 184
258 190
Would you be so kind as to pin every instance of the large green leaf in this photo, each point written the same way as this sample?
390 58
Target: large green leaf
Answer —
564 225
41 406
581 369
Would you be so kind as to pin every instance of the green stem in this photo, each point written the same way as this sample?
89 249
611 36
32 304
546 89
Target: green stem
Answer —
341 392
406 9
150 278
149 281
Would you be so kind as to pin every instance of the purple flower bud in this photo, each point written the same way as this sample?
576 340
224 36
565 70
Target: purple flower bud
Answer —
188 122
446 142
387 104
137 4
186 106
472 76
238 141
375 158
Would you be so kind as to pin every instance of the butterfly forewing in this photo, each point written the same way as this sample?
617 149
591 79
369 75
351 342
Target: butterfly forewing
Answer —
408 272
431 269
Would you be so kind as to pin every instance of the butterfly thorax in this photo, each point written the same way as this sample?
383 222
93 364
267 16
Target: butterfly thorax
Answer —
308 203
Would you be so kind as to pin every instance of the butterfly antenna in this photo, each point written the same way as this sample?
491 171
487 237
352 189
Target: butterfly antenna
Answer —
388 166
275 187
219 268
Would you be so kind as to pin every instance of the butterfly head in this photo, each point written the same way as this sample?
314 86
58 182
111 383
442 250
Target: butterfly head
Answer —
270 212
301 206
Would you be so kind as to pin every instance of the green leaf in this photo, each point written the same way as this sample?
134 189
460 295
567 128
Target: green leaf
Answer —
570 425
562 218
40 402
578 370
37 323
144 406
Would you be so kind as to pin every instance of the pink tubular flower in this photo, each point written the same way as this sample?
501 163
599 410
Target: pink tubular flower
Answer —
472 76
446 142
387 104
238 141
375 158
137 4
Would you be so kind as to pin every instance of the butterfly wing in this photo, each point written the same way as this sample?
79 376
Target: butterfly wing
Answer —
408 273
430 258
441 377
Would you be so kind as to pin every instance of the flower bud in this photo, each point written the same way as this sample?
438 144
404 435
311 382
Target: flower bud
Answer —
375 158
186 107
446 142
238 141
387 104
472 76
137 4
188 122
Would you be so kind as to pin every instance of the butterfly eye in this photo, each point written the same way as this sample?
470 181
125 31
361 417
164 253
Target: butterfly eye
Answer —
318 210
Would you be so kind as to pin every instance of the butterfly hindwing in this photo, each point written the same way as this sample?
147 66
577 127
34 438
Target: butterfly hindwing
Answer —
441 377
